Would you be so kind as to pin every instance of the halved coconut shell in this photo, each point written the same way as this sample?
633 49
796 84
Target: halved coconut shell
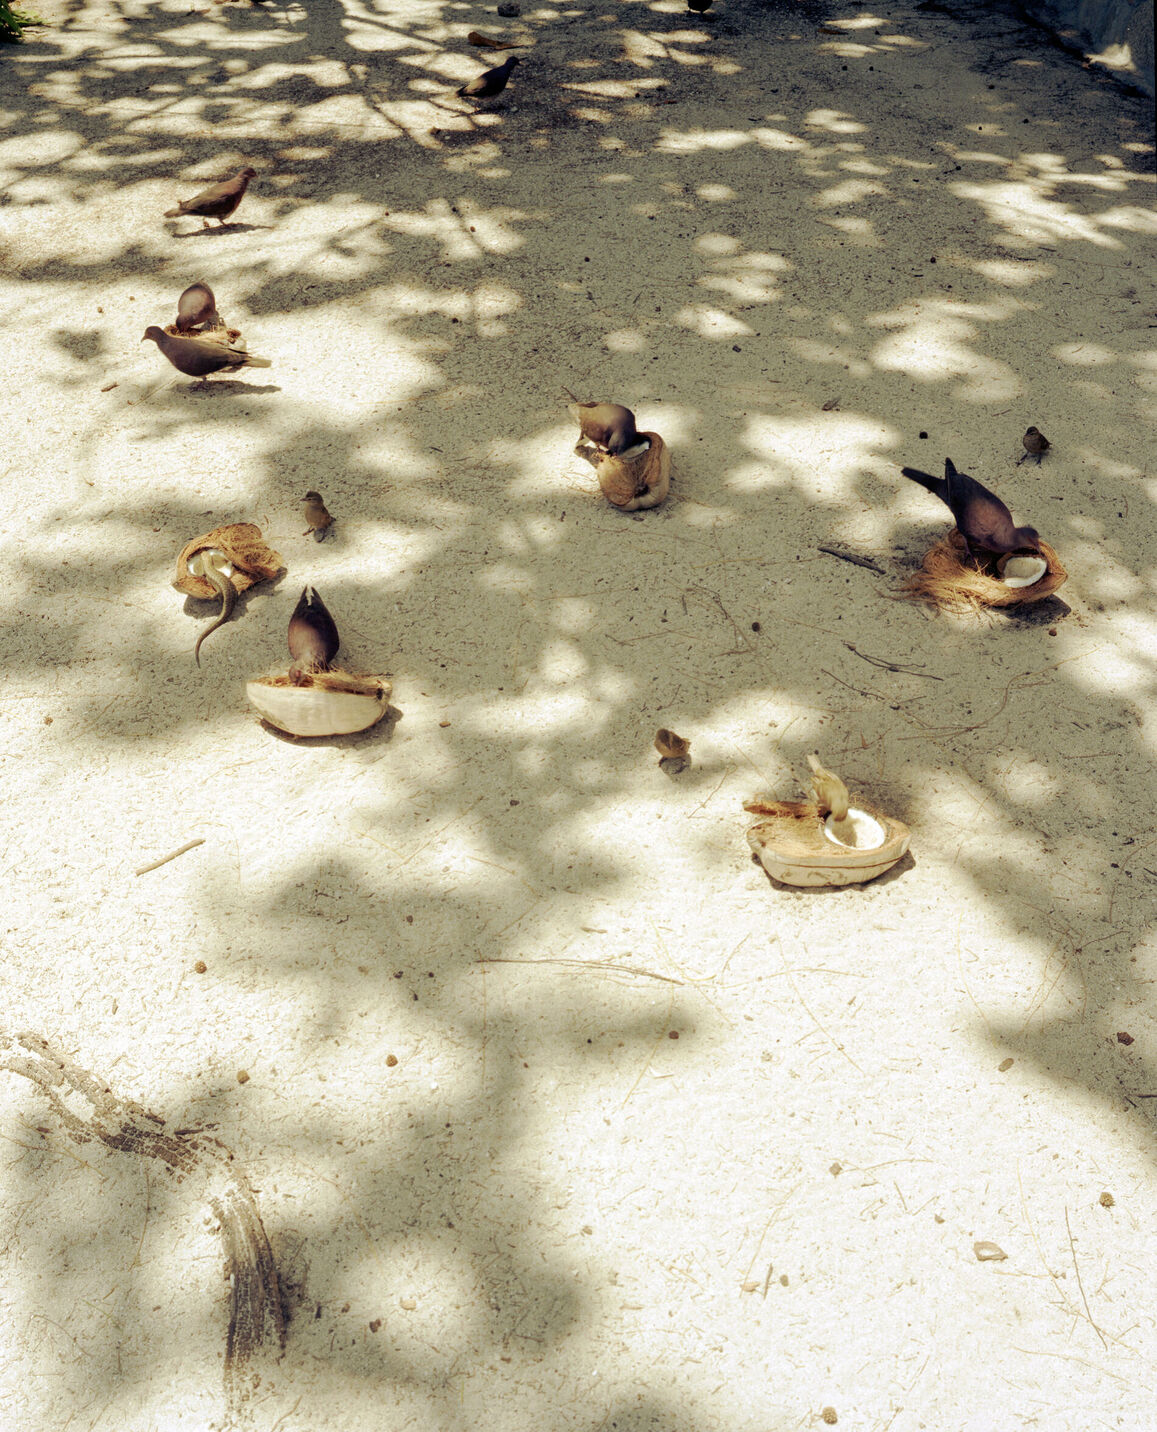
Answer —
794 848
642 480
245 548
326 703
948 578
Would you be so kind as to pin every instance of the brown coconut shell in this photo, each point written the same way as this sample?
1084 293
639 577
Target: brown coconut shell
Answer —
253 561
643 481
947 578
794 850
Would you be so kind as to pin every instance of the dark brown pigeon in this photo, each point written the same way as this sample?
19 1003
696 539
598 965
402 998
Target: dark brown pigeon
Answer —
1035 445
313 638
197 308
216 202
490 82
198 357
984 521
610 426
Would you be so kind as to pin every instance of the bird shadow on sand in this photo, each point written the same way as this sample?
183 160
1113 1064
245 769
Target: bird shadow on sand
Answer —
232 387
1043 613
205 233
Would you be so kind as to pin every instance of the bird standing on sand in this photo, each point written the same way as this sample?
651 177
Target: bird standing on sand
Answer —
216 202
1035 445
199 357
317 516
984 521
197 308
491 82
674 751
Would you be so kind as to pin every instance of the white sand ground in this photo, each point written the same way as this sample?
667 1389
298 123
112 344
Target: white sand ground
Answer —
665 1146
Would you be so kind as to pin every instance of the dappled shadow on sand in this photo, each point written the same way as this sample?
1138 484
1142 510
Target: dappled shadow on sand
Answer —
553 632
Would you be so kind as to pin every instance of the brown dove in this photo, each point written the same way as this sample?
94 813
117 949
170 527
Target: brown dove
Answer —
313 638
197 308
490 82
216 202
199 357
609 426
984 521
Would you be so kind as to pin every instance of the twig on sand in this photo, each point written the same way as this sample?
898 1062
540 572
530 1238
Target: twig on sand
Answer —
582 964
825 1032
1080 1284
891 665
747 649
164 860
854 558
88 1109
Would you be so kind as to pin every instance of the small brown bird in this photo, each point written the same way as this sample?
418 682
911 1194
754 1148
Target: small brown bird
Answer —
197 308
674 751
313 638
699 6
609 426
198 357
1035 445
317 516
491 82
984 521
831 793
216 202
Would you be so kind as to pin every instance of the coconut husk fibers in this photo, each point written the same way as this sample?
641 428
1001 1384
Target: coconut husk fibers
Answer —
333 681
231 337
947 578
785 810
253 559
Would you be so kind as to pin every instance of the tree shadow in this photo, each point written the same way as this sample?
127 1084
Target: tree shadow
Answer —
506 896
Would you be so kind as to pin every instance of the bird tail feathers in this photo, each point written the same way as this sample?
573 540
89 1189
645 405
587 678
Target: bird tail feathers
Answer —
925 479
252 362
175 213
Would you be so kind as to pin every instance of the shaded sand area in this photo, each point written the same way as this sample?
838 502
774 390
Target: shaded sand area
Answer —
474 1051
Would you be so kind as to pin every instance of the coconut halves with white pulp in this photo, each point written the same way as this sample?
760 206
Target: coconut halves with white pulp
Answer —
313 699
950 578
826 841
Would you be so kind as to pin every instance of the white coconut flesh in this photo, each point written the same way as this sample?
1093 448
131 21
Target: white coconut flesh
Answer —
209 557
859 831
631 453
1022 571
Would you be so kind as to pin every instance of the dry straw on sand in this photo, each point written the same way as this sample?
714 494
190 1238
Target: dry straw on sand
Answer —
948 579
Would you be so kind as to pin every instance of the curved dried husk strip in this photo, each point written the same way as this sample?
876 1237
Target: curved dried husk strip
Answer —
253 560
